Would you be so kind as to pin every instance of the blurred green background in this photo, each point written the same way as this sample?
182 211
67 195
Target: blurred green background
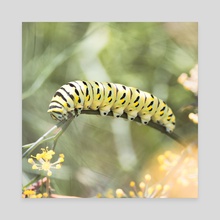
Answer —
102 152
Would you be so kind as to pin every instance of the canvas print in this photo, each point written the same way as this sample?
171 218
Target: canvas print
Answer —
109 110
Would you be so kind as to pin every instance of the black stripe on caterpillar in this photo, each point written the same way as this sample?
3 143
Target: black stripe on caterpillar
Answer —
76 96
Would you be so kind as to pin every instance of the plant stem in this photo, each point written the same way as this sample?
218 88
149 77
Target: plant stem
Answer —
158 127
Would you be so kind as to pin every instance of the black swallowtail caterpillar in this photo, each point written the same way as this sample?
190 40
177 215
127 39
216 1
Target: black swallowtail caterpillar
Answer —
76 96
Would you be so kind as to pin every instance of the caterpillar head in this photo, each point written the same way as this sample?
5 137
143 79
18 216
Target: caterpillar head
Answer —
57 112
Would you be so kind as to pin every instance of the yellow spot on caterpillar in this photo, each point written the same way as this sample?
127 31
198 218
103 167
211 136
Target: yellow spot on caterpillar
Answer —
98 96
149 108
136 104
77 98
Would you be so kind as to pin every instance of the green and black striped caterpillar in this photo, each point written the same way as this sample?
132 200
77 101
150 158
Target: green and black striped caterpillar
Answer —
76 96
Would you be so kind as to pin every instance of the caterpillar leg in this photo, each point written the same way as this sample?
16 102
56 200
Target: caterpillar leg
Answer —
145 120
170 127
103 113
169 130
72 112
117 115
77 111
131 117
117 112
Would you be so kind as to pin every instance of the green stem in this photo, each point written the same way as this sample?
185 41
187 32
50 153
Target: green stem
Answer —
44 138
65 125
158 127
48 186
35 179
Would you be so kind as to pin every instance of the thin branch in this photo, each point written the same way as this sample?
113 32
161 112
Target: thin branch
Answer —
33 181
44 138
65 125
158 127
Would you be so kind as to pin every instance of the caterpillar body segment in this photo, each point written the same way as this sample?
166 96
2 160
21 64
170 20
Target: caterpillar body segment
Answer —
98 94
123 95
109 98
88 96
76 96
164 116
149 108
160 113
169 121
136 103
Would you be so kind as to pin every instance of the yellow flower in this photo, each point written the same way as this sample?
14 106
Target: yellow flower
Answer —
120 193
188 169
45 195
99 195
31 194
132 184
58 166
30 160
44 161
142 185
132 194
147 178
142 190
193 117
190 82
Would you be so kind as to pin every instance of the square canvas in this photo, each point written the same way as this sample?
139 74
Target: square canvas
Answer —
110 110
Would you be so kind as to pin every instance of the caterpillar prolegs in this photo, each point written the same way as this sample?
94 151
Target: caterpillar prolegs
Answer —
76 96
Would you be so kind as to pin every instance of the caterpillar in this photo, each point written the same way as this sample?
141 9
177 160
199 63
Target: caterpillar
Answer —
78 95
